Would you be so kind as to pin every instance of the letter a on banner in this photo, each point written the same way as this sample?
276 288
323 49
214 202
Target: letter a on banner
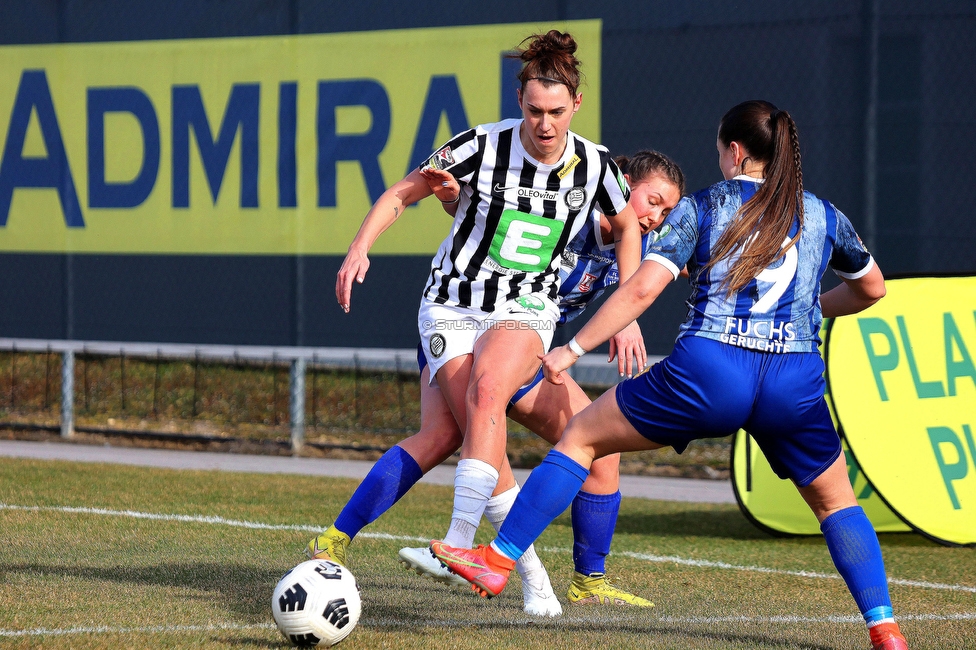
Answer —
52 171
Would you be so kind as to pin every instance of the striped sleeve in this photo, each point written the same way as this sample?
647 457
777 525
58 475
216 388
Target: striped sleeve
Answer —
613 192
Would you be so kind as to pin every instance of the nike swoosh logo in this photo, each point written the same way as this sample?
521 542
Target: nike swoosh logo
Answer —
499 189
451 557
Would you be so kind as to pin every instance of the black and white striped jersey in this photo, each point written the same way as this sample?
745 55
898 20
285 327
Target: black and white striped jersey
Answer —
516 215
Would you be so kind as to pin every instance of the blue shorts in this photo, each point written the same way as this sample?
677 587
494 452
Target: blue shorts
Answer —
707 389
519 394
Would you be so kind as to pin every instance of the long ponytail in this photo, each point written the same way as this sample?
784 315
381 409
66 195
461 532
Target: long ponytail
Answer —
762 223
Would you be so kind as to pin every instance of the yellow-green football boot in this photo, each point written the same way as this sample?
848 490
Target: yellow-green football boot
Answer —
330 545
595 589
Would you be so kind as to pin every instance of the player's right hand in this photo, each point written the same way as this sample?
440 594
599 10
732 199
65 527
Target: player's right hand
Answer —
353 268
555 361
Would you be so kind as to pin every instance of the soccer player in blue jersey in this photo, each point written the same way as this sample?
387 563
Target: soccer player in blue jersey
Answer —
656 184
756 246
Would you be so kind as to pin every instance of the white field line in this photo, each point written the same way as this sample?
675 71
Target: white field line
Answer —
196 519
802 574
392 623
150 629
202 519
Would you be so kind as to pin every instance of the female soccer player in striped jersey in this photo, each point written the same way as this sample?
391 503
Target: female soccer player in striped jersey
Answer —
587 269
756 246
489 311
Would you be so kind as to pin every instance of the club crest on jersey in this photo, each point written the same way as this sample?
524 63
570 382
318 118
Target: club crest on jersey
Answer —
437 345
575 198
441 159
586 284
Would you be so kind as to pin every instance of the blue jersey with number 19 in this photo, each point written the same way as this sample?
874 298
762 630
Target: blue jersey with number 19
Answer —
779 310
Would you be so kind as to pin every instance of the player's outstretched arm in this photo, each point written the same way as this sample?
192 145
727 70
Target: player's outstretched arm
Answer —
381 216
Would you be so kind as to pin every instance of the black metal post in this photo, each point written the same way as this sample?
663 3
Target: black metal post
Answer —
84 356
122 377
274 398
314 392
196 373
155 384
13 376
47 376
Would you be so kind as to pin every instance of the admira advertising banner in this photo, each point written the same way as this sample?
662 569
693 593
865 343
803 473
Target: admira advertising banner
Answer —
269 145
903 381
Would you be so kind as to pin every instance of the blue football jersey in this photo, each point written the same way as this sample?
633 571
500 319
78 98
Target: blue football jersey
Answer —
588 267
779 310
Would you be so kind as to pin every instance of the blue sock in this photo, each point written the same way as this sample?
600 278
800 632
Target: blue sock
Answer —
547 492
389 479
594 518
854 548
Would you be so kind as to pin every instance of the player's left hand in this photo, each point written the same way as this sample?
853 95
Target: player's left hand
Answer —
628 347
442 183
557 360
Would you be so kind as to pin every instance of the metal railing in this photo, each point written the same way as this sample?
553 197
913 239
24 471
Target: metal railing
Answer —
592 372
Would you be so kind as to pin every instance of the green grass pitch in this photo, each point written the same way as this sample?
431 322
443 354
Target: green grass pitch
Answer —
106 556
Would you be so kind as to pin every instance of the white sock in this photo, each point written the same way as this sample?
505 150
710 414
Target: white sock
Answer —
474 481
495 512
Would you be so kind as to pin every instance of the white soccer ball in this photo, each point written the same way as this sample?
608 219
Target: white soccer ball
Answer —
316 604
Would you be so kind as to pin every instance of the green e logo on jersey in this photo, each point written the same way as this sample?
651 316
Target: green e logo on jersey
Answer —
525 242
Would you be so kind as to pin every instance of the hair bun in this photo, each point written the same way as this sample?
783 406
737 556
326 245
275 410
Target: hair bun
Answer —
552 42
550 58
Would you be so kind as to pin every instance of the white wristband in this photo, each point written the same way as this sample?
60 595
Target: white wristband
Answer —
576 347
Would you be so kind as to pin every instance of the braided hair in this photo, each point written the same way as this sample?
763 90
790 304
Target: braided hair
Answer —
762 223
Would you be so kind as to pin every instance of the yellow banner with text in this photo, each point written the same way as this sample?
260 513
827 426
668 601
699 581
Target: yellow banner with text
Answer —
265 145
903 381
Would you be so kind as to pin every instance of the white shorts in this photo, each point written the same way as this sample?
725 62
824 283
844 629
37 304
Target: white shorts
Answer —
447 332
